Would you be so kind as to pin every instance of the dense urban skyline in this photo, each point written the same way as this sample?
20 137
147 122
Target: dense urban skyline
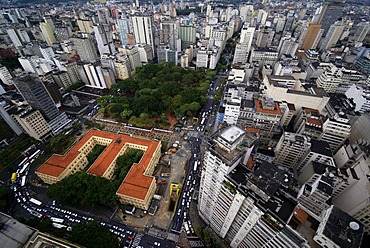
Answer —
185 123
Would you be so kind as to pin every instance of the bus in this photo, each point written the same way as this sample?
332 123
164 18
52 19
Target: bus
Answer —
23 181
25 166
36 202
34 154
57 220
22 162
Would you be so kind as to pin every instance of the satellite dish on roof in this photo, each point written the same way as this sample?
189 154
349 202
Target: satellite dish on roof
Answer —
331 175
354 225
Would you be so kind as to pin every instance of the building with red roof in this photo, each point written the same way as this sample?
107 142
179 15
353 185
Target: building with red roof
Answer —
139 185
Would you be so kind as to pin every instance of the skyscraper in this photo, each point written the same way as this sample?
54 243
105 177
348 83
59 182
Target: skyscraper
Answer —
123 30
35 93
47 32
85 49
143 30
312 35
331 11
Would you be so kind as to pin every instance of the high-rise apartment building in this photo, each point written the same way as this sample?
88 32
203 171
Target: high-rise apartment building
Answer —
187 35
33 123
47 32
14 37
123 30
86 49
243 47
331 38
5 76
103 37
169 34
290 149
143 30
85 26
336 130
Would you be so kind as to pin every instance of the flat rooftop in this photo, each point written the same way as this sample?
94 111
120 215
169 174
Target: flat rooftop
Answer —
231 134
259 109
136 184
343 229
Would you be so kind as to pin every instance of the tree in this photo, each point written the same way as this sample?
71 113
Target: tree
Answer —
81 189
93 235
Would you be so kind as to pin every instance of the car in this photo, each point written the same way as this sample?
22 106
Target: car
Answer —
129 232
18 200
179 212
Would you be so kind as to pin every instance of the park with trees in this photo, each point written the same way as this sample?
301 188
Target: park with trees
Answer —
153 92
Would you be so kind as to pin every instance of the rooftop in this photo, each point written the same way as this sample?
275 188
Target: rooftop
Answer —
321 147
136 184
343 229
231 134
260 109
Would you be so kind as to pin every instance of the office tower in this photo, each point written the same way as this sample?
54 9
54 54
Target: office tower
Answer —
14 37
85 26
33 123
232 110
143 31
267 118
336 130
187 36
230 196
145 53
134 57
313 34
47 32
103 37
330 12
5 76
243 47
85 49
52 88
47 52
35 93
168 34
4 107
246 35
334 33
309 122
361 30
123 30
290 149
71 69
165 54
319 152
288 46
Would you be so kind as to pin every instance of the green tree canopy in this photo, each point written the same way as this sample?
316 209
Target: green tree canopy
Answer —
93 235
83 189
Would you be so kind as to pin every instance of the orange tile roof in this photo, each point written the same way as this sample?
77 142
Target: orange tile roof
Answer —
135 184
314 122
259 108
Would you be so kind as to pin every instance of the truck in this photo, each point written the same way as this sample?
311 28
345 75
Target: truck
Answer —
23 182
165 174
162 182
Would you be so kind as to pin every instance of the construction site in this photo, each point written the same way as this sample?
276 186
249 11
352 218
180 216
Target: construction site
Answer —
170 175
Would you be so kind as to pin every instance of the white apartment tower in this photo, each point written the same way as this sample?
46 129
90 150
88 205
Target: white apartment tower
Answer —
143 30
290 149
